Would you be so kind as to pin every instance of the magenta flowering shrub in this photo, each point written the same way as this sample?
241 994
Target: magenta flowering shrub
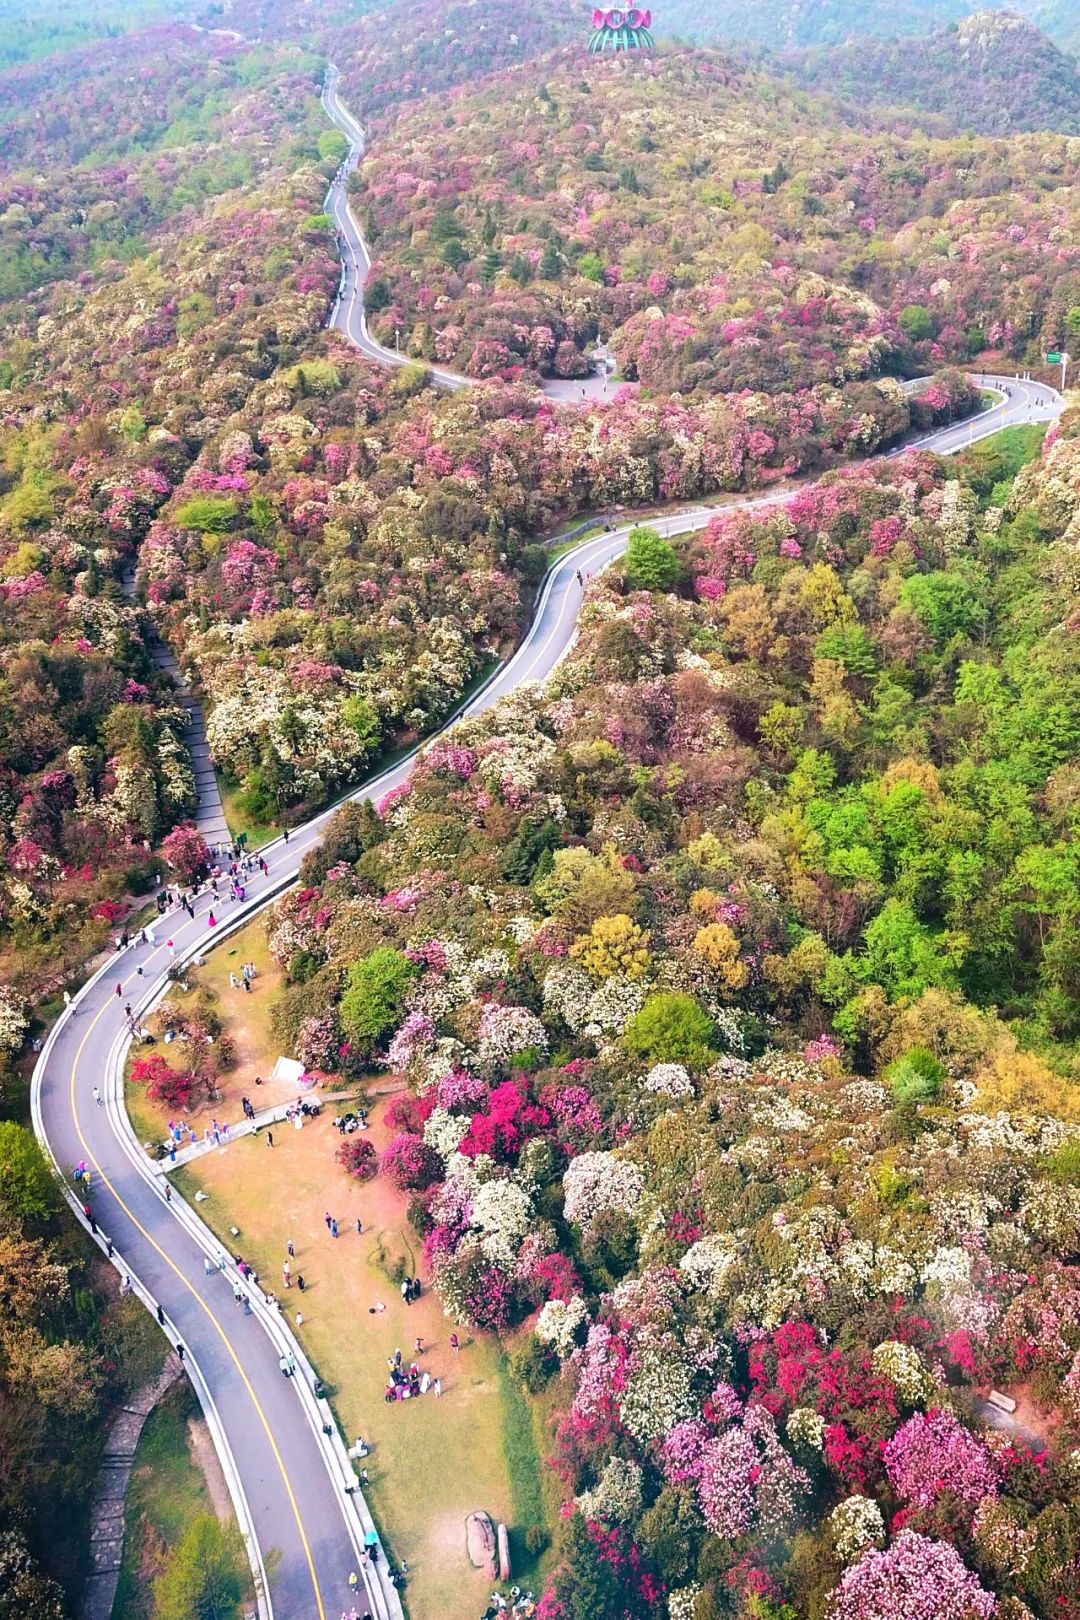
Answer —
916 1578
933 1455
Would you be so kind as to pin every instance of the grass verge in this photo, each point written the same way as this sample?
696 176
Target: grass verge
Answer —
166 1491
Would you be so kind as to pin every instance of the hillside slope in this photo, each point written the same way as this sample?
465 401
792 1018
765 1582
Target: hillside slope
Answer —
717 230
779 24
993 73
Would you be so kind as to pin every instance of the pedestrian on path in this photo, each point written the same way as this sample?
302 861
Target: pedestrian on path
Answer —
454 1342
354 1581
208 1265
438 1386
289 1250
97 1096
329 1220
160 1317
168 1193
299 1320
333 1229
300 1283
269 1138
180 1350
286 1275
119 992
359 1228
212 920
68 1003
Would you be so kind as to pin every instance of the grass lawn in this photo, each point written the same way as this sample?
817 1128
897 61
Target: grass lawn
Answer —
432 1460
258 832
248 1019
168 1488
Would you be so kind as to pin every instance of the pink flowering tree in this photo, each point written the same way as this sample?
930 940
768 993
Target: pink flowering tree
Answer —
914 1579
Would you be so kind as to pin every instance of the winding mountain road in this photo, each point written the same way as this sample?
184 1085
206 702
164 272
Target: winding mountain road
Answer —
288 1472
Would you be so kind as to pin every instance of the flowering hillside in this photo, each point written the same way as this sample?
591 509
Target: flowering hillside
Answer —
733 979
714 230
992 73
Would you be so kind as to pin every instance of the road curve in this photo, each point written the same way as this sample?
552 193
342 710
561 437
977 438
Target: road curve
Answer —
347 315
283 1457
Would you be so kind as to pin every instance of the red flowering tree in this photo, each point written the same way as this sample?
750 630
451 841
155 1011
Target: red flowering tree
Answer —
164 1084
357 1155
186 851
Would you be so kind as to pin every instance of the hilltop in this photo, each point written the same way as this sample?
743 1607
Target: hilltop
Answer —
779 24
992 73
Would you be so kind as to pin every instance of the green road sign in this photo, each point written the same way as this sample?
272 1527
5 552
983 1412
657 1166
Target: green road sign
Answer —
1053 358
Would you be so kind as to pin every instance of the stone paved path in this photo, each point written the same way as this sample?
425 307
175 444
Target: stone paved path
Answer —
209 811
107 1513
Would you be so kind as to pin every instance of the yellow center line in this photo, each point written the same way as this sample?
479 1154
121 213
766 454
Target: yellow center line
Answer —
133 1218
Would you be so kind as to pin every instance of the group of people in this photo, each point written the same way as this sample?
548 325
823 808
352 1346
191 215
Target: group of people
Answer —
519 1602
404 1386
247 973
214 1135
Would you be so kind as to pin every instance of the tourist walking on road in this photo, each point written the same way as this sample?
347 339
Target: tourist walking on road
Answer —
289 1250
97 1096
286 1275
269 1138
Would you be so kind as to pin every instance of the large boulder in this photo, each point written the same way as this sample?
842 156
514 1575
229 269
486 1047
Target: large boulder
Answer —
481 1544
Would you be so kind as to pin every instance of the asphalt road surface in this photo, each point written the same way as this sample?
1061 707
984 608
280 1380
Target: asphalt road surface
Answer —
288 1477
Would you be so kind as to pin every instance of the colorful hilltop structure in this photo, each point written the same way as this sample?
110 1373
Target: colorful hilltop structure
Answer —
620 30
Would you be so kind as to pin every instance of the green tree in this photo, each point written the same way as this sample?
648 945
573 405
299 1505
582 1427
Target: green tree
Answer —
671 1028
550 268
904 956
591 266
917 323
28 1195
651 563
673 1529
210 514
374 998
587 1585
360 716
206 1574
332 145
943 602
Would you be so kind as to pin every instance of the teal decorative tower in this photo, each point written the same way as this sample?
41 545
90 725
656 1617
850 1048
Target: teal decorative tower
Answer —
619 30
